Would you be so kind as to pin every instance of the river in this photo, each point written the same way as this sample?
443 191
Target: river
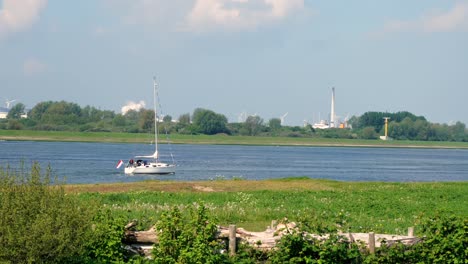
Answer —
95 162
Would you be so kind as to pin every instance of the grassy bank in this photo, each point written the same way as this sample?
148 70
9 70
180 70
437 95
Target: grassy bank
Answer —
215 139
357 206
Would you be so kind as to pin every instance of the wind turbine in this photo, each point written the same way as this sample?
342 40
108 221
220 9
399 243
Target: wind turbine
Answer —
242 117
8 102
282 118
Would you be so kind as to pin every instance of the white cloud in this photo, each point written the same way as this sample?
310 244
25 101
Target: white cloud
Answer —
282 8
209 15
204 15
155 14
18 15
33 66
452 20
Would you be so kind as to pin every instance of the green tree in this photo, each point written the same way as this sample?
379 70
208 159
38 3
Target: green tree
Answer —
57 113
253 125
146 120
16 111
184 119
119 120
458 131
167 119
274 124
39 110
368 133
209 122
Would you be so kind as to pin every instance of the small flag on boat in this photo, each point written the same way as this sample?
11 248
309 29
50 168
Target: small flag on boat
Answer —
119 164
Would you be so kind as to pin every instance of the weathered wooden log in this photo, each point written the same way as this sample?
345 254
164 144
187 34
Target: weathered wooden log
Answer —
149 236
268 239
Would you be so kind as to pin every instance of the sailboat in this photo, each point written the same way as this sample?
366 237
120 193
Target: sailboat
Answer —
141 164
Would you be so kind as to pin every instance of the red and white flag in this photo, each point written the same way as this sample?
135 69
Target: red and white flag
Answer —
119 164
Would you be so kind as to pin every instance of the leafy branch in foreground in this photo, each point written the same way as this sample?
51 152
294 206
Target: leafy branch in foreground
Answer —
188 237
38 221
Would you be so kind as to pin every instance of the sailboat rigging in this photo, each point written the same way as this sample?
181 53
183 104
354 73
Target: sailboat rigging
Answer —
140 165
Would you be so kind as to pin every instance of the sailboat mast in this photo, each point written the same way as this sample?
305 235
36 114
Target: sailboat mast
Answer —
155 120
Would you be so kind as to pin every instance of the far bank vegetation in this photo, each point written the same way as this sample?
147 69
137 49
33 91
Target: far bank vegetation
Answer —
66 116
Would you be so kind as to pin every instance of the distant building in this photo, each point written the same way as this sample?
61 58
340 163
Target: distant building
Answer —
4 112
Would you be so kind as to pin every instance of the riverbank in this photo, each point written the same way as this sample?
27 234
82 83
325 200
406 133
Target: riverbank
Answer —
63 136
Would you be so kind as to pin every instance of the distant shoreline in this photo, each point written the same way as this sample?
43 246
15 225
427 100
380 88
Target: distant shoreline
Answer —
109 137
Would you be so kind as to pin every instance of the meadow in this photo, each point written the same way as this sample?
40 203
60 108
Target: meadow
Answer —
355 206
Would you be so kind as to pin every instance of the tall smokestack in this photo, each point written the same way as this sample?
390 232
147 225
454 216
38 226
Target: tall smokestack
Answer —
332 115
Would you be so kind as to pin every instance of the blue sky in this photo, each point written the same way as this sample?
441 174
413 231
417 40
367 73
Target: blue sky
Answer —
264 57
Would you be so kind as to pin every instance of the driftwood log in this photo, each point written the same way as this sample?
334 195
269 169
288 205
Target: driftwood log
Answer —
141 242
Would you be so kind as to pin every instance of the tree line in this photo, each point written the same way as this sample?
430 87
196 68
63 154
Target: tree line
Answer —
67 116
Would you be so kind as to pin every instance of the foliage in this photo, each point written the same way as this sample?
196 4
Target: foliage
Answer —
376 119
40 223
253 125
16 111
209 122
146 120
187 238
274 124
66 116
299 245
105 246
368 133
445 241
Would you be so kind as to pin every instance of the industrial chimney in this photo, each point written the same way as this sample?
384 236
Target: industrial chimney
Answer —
332 114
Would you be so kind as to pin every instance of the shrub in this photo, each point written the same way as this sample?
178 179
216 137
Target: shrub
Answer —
188 237
445 239
299 246
39 223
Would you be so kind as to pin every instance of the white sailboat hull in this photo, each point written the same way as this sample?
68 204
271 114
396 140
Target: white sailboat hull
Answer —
151 168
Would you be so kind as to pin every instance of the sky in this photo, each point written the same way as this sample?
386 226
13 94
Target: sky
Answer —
240 57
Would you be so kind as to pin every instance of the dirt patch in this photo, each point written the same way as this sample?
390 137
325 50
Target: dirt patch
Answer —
203 188
207 186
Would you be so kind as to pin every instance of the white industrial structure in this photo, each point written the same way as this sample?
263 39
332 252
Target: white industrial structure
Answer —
334 122
332 112
4 112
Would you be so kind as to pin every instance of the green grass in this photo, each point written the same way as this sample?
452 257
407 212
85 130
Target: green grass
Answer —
365 206
215 139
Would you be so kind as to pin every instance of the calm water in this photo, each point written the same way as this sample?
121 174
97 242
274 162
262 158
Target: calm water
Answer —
95 162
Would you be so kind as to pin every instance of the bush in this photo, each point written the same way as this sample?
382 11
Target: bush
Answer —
445 240
105 246
299 246
187 238
39 223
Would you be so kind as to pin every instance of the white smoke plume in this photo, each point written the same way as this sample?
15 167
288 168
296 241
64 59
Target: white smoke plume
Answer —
133 106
